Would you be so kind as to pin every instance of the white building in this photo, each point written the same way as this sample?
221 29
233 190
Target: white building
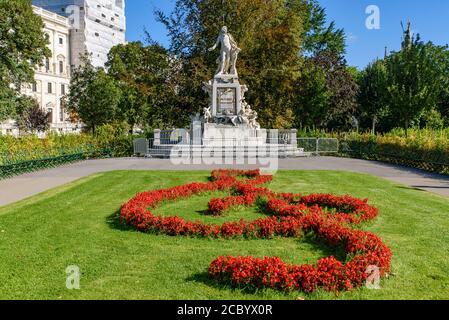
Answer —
74 28
96 26
51 80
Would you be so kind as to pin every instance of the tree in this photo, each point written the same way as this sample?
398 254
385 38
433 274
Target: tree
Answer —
125 65
33 119
373 92
414 78
443 96
327 92
313 97
23 45
269 33
94 96
318 36
145 75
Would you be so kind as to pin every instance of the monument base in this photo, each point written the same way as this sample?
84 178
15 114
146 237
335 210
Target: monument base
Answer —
223 135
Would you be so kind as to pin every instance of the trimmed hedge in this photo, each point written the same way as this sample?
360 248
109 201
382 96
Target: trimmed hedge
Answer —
421 149
30 153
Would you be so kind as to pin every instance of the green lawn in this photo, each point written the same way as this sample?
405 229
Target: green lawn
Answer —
77 225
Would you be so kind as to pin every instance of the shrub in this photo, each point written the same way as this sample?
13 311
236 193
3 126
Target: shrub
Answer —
28 153
425 149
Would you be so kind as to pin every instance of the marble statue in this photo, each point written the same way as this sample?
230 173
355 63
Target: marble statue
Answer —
208 87
228 53
207 115
248 117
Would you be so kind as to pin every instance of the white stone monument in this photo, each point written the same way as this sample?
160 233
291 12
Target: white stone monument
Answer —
229 119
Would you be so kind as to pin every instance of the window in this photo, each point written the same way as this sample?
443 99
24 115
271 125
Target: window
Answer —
47 65
50 88
97 34
61 67
61 112
62 89
34 85
61 41
49 115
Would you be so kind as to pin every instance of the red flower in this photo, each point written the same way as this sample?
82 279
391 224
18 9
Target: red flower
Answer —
329 217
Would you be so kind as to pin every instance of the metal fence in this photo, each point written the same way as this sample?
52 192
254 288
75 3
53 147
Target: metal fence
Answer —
433 161
247 147
13 167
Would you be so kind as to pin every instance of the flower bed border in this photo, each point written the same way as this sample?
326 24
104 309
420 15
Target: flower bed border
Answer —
291 215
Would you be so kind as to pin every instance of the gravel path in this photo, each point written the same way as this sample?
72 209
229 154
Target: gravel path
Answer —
27 185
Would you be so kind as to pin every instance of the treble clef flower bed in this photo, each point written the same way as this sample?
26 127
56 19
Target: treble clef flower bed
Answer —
327 216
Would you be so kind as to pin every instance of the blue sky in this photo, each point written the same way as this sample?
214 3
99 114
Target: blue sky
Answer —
429 18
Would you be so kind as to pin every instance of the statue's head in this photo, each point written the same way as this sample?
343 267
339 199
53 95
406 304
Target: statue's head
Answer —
224 29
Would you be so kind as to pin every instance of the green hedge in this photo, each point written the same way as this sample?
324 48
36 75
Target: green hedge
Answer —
422 149
30 153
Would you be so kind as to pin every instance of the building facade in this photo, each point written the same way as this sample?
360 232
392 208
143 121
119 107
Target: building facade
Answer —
74 27
95 26
53 78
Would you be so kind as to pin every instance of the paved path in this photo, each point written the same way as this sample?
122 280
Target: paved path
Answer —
24 186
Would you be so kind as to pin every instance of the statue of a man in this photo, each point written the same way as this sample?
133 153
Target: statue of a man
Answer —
228 53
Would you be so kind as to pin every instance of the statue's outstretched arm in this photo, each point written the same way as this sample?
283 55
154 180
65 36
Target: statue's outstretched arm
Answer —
215 45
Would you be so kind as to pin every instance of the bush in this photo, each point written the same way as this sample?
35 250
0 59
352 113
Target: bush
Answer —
29 153
424 149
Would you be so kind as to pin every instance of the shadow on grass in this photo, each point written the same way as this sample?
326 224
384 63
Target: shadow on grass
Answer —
114 222
322 248
204 278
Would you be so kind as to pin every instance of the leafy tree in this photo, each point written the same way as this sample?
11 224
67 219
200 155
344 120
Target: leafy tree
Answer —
274 37
443 96
432 119
23 45
414 79
146 77
331 88
318 36
313 97
269 33
125 65
33 119
373 92
94 96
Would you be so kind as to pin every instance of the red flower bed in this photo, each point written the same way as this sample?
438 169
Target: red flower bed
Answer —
328 217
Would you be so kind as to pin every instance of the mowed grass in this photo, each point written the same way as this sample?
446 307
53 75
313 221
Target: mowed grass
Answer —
77 225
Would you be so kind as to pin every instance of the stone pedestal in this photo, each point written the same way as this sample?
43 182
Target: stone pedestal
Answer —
196 132
226 96
157 137
294 138
241 136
